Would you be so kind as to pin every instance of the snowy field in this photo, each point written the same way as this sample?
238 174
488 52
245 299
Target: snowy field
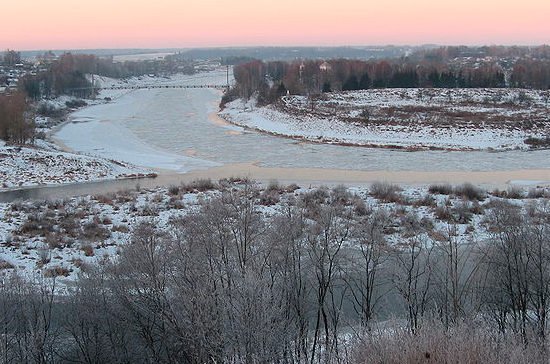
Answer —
63 237
451 119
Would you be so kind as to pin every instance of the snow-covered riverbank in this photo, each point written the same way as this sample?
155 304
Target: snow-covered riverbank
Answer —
26 166
61 237
95 142
453 119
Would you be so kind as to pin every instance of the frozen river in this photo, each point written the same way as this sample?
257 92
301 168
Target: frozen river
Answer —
177 130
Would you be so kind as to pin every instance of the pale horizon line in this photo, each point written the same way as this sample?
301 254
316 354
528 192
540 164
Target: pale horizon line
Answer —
288 46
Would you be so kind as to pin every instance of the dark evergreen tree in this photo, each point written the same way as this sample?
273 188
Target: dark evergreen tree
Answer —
364 83
378 83
351 84
434 79
406 79
447 80
281 90
461 81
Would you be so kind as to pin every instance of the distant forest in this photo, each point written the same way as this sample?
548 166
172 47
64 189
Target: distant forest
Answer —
65 76
69 73
445 67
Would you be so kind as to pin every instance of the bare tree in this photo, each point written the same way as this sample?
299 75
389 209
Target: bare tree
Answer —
413 278
366 266
326 238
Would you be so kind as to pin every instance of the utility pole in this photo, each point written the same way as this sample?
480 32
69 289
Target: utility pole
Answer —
227 70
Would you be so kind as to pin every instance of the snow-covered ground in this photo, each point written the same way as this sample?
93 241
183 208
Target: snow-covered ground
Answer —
454 119
68 235
25 166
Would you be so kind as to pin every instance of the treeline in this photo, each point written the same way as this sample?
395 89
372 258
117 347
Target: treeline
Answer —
10 58
272 79
16 119
67 75
229 283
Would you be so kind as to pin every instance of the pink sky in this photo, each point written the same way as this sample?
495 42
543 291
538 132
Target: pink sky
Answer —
78 24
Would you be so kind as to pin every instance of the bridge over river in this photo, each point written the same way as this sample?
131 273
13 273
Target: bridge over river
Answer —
150 87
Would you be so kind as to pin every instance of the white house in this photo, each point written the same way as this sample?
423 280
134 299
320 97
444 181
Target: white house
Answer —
325 67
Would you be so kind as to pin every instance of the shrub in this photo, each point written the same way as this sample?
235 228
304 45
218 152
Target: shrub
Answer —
365 114
535 142
106 198
175 203
44 256
341 196
200 185
57 271
441 189
269 197
433 343
315 197
5 264
53 240
88 250
515 192
292 187
95 232
537 193
49 110
121 228
443 213
469 192
173 190
79 263
385 191
361 207
75 103
425 200
463 212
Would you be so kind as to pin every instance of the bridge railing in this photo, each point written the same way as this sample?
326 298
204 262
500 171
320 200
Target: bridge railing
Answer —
148 87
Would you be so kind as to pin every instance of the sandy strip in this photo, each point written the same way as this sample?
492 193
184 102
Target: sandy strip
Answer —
304 177
331 176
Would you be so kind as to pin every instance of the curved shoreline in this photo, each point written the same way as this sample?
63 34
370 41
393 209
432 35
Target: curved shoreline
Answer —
301 176
330 141
301 125
320 175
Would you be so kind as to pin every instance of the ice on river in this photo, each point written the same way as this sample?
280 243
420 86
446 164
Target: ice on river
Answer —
109 131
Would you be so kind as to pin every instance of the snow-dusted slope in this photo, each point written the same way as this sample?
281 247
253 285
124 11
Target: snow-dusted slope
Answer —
458 119
20 166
